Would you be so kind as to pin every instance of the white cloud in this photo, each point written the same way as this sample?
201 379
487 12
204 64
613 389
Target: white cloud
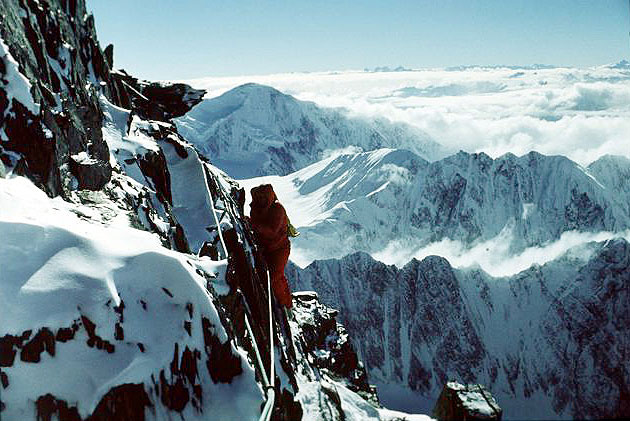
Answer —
494 256
579 113
333 153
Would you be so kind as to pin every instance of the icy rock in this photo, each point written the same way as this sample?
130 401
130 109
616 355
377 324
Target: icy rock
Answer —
328 346
466 402
108 52
92 174
153 165
53 52
125 402
159 101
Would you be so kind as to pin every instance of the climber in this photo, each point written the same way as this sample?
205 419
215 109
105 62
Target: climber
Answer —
270 223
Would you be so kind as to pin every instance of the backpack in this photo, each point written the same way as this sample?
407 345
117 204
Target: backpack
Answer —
292 232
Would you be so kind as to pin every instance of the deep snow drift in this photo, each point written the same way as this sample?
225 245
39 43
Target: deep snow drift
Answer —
72 273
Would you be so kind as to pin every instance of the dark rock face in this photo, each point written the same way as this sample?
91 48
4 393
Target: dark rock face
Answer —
43 340
121 403
182 385
92 174
124 402
466 402
8 343
327 345
584 326
222 364
158 101
49 408
555 331
54 43
386 311
153 165
32 348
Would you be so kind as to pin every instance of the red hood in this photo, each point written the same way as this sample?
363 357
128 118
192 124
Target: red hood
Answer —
262 196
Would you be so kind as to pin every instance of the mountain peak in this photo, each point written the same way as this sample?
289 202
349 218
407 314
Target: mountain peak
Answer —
254 90
617 160
255 130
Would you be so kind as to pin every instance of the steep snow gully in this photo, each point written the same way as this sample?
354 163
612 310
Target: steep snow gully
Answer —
132 287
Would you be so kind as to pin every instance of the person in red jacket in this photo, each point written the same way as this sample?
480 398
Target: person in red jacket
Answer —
269 221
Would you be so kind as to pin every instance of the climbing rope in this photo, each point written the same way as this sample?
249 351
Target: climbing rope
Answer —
269 386
268 381
216 219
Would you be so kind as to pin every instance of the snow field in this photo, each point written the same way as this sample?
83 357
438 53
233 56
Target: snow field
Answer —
70 268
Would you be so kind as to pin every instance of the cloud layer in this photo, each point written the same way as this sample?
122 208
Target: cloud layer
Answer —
580 113
494 255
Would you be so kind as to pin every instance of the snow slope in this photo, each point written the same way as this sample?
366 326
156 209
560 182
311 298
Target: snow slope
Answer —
119 284
256 130
112 308
107 309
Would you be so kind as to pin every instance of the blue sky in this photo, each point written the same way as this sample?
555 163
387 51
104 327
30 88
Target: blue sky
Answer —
161 39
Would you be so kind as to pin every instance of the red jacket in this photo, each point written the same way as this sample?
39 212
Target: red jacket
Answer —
269 219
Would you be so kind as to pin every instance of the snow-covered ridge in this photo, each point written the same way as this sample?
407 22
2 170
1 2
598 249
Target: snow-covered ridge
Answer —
117 290
395 205
256 130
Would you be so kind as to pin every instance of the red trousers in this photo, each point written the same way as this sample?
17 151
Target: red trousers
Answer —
276 261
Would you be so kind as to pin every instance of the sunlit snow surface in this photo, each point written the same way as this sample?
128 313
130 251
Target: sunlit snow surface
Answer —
579 113
57 265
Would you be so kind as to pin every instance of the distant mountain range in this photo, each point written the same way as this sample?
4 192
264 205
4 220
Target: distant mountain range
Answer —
367 201
255 130
541 338
550 341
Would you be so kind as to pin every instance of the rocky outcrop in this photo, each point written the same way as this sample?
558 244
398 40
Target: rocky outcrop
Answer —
52 50
91 174
328 345
54 46
121 403
157 101
466 402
